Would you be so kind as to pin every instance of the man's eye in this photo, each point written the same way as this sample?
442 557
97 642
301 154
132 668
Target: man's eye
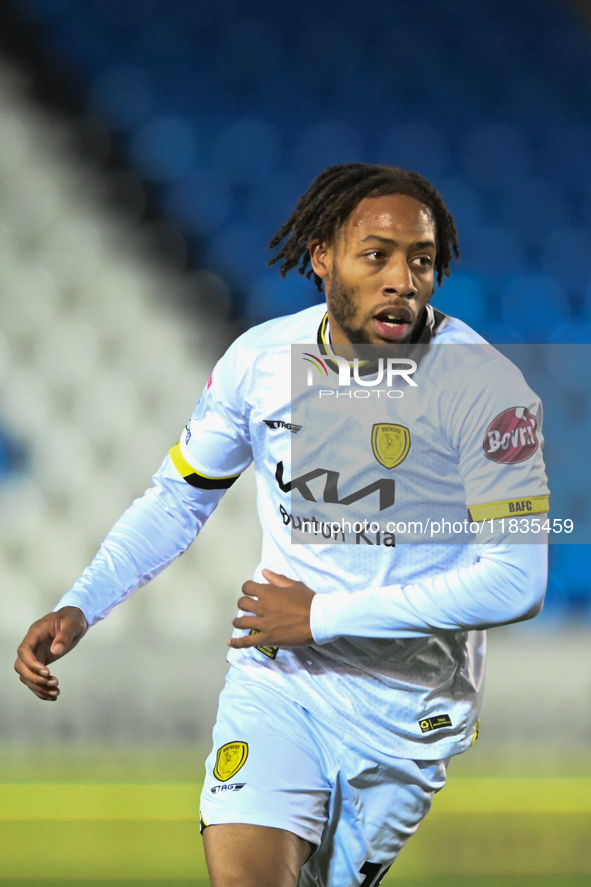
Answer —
375 254
423 261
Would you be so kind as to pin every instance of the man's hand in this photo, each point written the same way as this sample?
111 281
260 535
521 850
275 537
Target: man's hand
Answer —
48 639
281 613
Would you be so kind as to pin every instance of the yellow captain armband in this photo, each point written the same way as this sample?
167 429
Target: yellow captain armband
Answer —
509 508
201 481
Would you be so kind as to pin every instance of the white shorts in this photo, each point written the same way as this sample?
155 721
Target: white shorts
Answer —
275 764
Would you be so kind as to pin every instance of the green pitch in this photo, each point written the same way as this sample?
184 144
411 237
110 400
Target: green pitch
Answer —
450 881
117 818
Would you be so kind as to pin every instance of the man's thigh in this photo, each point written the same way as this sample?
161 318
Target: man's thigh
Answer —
253 856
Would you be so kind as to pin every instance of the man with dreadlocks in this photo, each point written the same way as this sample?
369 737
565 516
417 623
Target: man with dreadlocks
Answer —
356 669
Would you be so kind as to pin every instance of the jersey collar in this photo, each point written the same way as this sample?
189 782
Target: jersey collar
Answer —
429 322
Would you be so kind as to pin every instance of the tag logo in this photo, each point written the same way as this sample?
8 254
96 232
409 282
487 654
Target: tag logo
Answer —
231 787
278 423
390 444
230 758
511 437
428 724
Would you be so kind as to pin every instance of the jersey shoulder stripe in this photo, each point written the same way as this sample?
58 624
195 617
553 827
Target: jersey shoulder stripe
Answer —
193 477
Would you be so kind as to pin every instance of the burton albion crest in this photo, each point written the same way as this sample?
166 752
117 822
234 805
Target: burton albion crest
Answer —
390 444
229 760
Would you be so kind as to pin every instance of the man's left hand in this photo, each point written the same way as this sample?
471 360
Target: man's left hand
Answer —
279 611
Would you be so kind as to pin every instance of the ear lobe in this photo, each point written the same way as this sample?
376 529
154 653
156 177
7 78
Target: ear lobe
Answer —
319 258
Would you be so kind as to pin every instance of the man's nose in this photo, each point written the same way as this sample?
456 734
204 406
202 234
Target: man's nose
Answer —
398 279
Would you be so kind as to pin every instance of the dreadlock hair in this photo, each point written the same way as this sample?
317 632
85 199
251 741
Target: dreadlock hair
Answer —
333 196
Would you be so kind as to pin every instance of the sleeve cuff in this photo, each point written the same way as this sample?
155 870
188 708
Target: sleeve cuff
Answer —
71 599
323 606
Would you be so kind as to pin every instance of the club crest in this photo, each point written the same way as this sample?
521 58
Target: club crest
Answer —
229 760
390 444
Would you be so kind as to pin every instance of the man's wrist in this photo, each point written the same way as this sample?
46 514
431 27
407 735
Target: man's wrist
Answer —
321 610
75 612
69 601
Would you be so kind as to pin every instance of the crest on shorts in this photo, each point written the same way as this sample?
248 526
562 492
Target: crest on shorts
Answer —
229 760
390 444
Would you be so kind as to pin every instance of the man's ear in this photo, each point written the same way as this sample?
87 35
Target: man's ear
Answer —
320 258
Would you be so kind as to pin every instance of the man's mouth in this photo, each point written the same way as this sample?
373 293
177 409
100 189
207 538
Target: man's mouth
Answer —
392 323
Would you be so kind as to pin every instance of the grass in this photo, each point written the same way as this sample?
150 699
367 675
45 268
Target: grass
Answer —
445 881
130 818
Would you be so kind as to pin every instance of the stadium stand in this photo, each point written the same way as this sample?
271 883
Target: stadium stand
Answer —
100 370
222 114
228 112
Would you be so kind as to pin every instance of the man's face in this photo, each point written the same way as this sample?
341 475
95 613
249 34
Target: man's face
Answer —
379 271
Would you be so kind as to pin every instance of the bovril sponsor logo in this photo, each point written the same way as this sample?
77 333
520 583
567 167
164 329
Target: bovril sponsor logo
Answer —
511 436
229 787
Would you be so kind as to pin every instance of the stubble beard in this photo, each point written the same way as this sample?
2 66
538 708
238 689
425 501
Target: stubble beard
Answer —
341 301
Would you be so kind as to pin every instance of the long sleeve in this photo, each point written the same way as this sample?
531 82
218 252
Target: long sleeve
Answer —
213 451
506 584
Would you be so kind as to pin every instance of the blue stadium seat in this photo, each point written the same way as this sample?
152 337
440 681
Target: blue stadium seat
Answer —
420 147
462 296
163 150
326 143
496 155
533 206
122 95
534 304
493 252
200 202
247 151
566 252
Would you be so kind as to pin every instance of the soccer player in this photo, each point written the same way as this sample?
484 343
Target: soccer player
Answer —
356 665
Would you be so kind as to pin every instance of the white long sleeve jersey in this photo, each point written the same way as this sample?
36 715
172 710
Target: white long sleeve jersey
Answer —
398 658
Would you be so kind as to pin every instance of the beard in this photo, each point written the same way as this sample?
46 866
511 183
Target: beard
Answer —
341 302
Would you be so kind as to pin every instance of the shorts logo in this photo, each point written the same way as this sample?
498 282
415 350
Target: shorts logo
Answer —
390 444
428 724
511 437
230 787
266 649
230 758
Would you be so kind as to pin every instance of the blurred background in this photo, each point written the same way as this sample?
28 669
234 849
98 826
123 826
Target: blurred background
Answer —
149 150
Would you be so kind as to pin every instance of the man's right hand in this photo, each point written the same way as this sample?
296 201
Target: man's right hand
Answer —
48 639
